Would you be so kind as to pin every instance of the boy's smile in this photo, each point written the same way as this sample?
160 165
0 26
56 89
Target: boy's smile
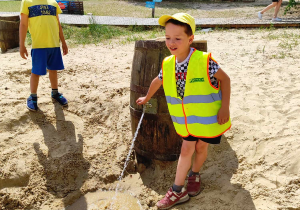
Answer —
172 49
177 41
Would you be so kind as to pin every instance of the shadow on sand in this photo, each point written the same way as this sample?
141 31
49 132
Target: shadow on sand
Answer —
65 168
217 190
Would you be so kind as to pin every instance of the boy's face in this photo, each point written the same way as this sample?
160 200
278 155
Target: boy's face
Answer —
177 41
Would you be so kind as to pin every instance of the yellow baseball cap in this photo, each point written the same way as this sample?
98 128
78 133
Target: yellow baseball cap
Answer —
182 17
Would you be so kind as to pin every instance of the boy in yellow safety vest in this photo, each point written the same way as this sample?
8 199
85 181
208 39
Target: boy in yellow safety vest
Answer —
198 94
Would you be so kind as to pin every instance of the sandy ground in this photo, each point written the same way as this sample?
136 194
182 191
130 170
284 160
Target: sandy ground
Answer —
51 158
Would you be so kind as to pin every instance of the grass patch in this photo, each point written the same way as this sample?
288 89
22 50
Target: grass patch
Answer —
275 34
270 28
290 35
280 55
94 33
218 28
137 9
288 44
286 40
261 50
271 36
197 8
10 6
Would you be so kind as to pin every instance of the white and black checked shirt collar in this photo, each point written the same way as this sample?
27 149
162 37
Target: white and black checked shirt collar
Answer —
181 71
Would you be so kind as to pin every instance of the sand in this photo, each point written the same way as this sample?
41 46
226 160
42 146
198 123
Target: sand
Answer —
51 158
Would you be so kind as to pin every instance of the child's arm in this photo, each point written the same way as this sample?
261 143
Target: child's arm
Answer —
22 33
223 114
155 84
62 38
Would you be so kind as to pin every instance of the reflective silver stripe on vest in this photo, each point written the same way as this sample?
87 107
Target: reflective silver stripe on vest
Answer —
203 98
179 120
173 100
196 99
195 119
202 120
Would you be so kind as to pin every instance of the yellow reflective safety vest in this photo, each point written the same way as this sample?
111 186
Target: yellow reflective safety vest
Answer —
196 113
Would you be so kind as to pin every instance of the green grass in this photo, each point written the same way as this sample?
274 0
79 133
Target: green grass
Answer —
138 9
10 6
94 34
280 55
274 34
197 8
288 44
286 40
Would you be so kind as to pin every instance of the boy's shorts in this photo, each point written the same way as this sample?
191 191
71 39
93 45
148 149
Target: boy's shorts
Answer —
216 140
46 58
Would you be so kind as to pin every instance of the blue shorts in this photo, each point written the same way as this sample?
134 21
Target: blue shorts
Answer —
46 58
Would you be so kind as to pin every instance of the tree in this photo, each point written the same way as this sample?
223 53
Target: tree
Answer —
291 4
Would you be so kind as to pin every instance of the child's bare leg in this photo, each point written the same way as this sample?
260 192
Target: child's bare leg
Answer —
176 194
184 162
34 83
274 4
277 8
200 156
53 79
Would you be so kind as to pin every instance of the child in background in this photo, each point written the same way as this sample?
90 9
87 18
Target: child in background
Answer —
198 94
41 16
276 4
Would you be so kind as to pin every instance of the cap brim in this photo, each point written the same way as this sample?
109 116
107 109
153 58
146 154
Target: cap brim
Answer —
163 19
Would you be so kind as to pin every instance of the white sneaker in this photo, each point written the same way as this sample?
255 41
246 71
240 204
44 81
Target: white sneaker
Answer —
259 15
277 19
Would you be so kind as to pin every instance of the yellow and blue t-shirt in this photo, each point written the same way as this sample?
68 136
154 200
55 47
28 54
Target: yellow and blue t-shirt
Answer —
42 22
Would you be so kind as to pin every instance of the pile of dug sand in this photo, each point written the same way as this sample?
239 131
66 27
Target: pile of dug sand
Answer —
51 158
